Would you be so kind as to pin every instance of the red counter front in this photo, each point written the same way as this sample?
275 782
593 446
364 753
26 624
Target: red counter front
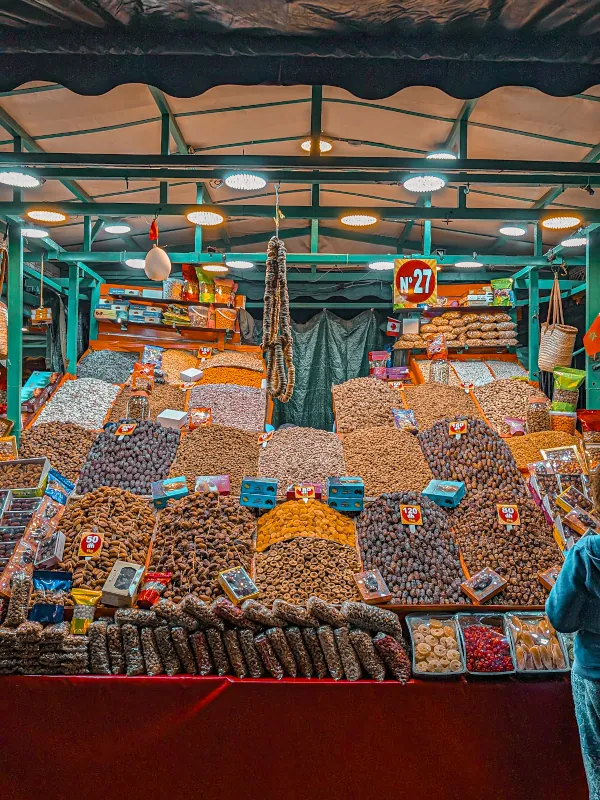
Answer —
99 738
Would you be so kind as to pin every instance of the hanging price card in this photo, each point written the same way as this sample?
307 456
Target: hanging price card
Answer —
508 515
90 545
467 387
265 437
457 428
411 516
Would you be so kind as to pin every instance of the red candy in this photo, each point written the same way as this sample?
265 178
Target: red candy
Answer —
487 650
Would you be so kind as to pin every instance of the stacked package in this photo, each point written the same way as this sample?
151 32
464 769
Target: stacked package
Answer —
464 330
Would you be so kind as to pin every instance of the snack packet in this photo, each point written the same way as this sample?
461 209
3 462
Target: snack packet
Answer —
86 601
437 349
154 585
50 591
143 376
405 420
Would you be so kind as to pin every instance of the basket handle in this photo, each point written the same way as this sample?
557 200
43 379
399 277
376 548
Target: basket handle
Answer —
555 308
3 264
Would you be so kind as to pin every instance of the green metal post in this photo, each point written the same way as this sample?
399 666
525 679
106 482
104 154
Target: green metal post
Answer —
15 324
87 233
427 229
462 154
198 229
72 319
534 323
165 132
537 240
94 300
316 122
592 309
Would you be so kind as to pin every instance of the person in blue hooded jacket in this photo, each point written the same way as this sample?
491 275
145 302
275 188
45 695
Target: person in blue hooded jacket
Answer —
574 606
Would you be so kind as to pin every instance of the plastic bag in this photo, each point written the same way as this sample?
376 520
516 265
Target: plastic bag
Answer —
437 349
367 654
206 286
371 618
98 649
325 612
234 651
85 607
568 378
298 648
282 650
405 420
537 647
394 656
295 615
350 662
154 585
590 426
18 605
168 655
267 655
150 652
132 650
330 651
183 650
50 590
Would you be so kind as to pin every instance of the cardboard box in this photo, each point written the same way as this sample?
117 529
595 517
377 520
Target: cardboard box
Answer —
191 374
169 418
213 483
447 494
169 489
483 586
122 584
29 491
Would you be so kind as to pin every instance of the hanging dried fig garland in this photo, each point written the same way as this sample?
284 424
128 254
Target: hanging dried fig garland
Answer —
277 332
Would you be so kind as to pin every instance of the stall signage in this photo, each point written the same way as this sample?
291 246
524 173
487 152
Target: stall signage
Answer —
457 428
411 515
508 515
90 545
304 491
415 281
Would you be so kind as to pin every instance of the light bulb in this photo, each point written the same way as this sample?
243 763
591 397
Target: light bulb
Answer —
41 215
245 181
560 222
468 264
513 230
442 155
574 241
21 180
207 218
136 263
117 227
34 233
324 146
424 183
240 264
358 220
381 266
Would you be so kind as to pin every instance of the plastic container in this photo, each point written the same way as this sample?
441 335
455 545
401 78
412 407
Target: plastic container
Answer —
413 622
538 418
563 421
529 630
138 406
440 372
497 631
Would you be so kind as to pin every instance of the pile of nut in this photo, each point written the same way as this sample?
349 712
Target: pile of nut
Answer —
174 361
388 460
199 536
85 401
295 569
125 521
107 365
304 518
425 367
420 566
505 398
65 444
518 555
239 376
475 372
362 402
161 397
479 458
131 462
20 476
299 454
236 406
232 358
434 401
506 369
526 449
217 450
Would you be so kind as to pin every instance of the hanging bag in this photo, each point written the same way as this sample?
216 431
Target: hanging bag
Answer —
3 308
557 340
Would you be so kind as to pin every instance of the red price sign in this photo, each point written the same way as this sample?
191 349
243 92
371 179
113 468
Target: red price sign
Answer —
265 437
396 385
457 428
508 514
304 492
90 545
467 386
416 280
126 429
411 515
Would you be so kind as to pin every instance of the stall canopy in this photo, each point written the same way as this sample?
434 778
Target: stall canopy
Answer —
372 49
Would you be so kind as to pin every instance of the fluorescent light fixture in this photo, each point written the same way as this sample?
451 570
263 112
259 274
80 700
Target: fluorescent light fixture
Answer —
245 181
442 155
358 220
136 263
381 266
324 146
117 227
574 241
424 183
468 264
41 215
34 233
240 264
18 179
560 222
513 230
206 218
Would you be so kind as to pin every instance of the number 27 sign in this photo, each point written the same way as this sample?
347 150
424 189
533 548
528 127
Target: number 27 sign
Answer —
415 281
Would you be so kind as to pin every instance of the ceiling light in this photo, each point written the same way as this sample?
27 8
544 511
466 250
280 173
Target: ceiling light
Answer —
34 233
117 227
240 264
21 180
442 155
424 183
381 266
358 220
205 217
324 146
513 230
560 222
245 181
136 263
468 264
41 215
215 268
574 241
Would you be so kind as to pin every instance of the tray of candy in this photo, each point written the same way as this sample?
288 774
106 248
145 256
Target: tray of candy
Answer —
441 628
475 629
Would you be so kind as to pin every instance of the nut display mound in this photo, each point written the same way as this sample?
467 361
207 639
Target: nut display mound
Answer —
130 462
239 376
237 406
479 458
364 401
85 401
162 396
232 358
526 449
299 454
126 521
217 450
419 567
107 365
517 555
307 519
65 444
20 476
425 366
505 398
174 361
475 372
388 460
434 401
199 536
298 568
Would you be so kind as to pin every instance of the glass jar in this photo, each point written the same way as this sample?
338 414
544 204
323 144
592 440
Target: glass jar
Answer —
440 372
138 406
538 417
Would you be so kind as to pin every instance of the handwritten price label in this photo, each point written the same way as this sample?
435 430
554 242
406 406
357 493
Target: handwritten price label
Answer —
90 545
457 428
411 515
508 514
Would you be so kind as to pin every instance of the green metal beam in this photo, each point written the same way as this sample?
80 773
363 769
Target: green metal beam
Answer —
15 324
94 300
97 228
533 323
72 319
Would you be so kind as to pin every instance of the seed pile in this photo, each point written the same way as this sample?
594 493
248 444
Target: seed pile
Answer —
505 398
236 375
307 519
364 401
107 365
174 362
517 555
507 369
84 401
162 396
425 367
217 450
65 444
420 567
526 449
125 520
298 454
130 462
199 536
480 458
19 476
236 406
231 358
434 401
474 372
298 568
388 460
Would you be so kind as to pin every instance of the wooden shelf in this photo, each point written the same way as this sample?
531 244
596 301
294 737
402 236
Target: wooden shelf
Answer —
156 301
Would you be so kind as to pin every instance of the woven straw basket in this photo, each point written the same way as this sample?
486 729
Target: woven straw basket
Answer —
557 340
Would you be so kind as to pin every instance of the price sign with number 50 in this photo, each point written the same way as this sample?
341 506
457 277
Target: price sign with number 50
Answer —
90 545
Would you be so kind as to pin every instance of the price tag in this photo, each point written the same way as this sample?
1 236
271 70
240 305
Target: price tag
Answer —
90 545
396 385
467 387
125 429
200 418
265 437
304 492
457 428
508 514
411 516
204 353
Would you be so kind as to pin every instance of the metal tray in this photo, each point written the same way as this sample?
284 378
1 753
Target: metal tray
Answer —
413 620
498 621
532 615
